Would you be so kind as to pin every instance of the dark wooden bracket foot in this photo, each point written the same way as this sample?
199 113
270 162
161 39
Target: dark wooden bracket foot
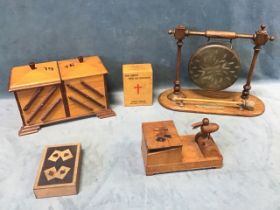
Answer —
25 130
105 113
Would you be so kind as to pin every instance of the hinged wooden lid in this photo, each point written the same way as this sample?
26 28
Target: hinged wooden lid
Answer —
73 68
150 132
132 68
23 77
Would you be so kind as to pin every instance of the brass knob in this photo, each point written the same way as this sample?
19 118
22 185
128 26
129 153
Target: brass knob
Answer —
271 38
171 31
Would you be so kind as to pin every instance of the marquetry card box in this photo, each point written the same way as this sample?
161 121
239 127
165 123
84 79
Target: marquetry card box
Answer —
137 84
58 172
54 91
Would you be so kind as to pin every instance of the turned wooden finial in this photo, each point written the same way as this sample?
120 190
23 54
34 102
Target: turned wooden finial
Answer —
206 127
32 65
261 36
81 59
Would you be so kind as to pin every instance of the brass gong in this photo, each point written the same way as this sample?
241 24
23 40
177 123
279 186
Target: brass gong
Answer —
214 66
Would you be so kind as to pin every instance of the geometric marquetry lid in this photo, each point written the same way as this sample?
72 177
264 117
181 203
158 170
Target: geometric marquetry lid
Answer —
58 166
160 135
81 67
28 76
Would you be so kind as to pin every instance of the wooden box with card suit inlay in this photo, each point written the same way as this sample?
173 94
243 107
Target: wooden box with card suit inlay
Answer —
58 172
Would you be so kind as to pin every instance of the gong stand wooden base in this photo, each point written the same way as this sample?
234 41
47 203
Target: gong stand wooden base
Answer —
210 107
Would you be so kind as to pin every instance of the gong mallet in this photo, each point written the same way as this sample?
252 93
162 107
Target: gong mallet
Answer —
243 104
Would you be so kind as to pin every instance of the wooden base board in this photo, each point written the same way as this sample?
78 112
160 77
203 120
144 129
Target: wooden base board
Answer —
192 159
212 109
29 129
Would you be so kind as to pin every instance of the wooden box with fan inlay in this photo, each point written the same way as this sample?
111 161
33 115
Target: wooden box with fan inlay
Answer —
57 91
84 84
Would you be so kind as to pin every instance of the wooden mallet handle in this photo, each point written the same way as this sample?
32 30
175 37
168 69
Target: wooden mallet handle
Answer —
246 104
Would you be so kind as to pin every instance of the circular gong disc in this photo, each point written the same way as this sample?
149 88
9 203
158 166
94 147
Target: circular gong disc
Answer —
214 67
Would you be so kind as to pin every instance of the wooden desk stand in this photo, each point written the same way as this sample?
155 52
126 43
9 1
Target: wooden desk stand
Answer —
164 150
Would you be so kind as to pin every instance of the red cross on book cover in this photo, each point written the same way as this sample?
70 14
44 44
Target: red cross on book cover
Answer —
137 87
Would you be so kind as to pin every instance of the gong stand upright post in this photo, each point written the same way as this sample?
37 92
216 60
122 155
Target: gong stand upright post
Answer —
175 98
260 38
179 34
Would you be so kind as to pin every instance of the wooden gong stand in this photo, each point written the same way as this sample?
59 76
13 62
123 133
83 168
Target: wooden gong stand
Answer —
215 102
